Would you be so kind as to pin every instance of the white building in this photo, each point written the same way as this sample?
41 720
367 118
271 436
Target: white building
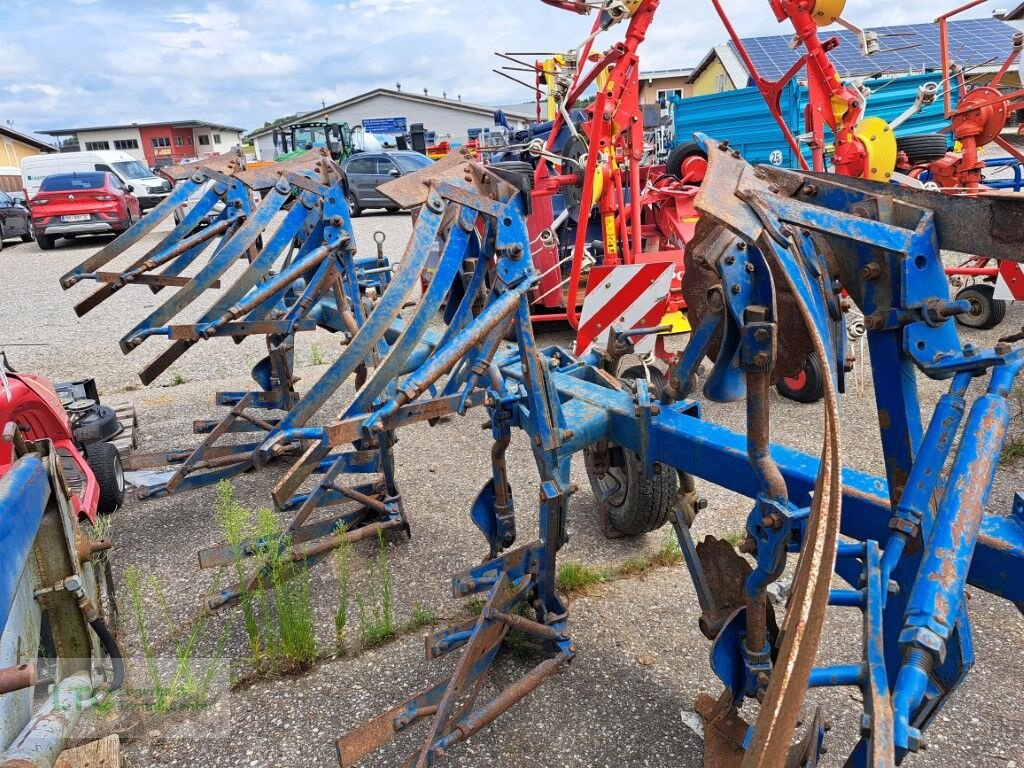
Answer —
449 119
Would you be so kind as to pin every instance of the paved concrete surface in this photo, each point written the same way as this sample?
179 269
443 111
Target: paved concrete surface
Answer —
641 657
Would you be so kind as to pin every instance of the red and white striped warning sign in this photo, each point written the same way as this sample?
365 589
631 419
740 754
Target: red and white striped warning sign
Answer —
624 297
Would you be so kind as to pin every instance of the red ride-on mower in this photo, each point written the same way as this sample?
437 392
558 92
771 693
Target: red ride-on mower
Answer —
80 429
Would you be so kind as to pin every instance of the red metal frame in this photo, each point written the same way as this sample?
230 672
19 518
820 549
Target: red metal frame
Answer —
832 103
32 403
615 137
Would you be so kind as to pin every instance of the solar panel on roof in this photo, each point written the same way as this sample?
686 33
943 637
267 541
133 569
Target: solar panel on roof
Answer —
906 48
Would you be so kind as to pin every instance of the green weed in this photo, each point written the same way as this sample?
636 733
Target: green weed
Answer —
342 569
177 378
316 357
736 538
421 617
376 619
579 577
277 605
183 684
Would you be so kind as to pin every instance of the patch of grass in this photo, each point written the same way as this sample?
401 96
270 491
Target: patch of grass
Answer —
342 569
670 553
290 630
178 682
736 538
376 617
475 605
1013 451
177 378
105 705
316 357
421 617
103 528
579 577
235 524
279 620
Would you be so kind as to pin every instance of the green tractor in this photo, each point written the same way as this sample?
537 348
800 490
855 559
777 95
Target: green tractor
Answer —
301 137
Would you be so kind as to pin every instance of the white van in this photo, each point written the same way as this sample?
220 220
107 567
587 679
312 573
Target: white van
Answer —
138 178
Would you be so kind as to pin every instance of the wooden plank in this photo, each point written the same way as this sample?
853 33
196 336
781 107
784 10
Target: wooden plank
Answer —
105 753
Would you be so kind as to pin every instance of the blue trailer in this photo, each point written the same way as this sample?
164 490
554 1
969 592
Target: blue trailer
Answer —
742 117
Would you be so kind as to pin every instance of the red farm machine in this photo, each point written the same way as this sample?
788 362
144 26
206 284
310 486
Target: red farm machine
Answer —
58 654
866 147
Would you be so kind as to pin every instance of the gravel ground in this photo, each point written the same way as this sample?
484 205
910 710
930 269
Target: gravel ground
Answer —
641 657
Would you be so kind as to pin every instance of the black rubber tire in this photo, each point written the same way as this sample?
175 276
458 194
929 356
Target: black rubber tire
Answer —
657 383
641 505
674 164
353 205
45 242
99 424
28 237
807 387
924 148
986 310
105 463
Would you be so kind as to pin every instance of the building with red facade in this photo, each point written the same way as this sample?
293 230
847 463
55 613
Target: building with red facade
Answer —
158 144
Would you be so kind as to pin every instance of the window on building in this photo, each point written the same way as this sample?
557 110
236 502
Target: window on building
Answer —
161 141
204 140
216 138
720 83
664 94
188 140
179 141
126 144
94 146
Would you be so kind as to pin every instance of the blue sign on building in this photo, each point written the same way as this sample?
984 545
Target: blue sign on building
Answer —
385 125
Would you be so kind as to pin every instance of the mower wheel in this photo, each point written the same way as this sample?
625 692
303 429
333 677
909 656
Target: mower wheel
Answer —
100 423
105 463
986 310
679 155
632 504
925 148
808 386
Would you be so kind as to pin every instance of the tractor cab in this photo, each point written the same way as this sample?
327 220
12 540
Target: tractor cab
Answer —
302 137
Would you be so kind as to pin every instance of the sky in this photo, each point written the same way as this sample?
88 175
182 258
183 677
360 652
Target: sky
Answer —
75 63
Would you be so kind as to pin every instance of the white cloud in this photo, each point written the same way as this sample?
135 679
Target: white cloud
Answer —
246 63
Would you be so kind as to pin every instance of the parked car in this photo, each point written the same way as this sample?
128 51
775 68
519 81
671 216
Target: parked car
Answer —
183 210
14 220
149 188
368 170
70 204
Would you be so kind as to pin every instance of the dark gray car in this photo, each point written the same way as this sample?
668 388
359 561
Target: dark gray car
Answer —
15 220
368 170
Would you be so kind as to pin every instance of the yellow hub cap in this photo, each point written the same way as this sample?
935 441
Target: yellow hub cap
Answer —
880 145
827 11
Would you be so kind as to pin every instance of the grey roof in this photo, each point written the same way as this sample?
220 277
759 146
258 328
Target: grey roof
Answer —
731 62
432 100
172 123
